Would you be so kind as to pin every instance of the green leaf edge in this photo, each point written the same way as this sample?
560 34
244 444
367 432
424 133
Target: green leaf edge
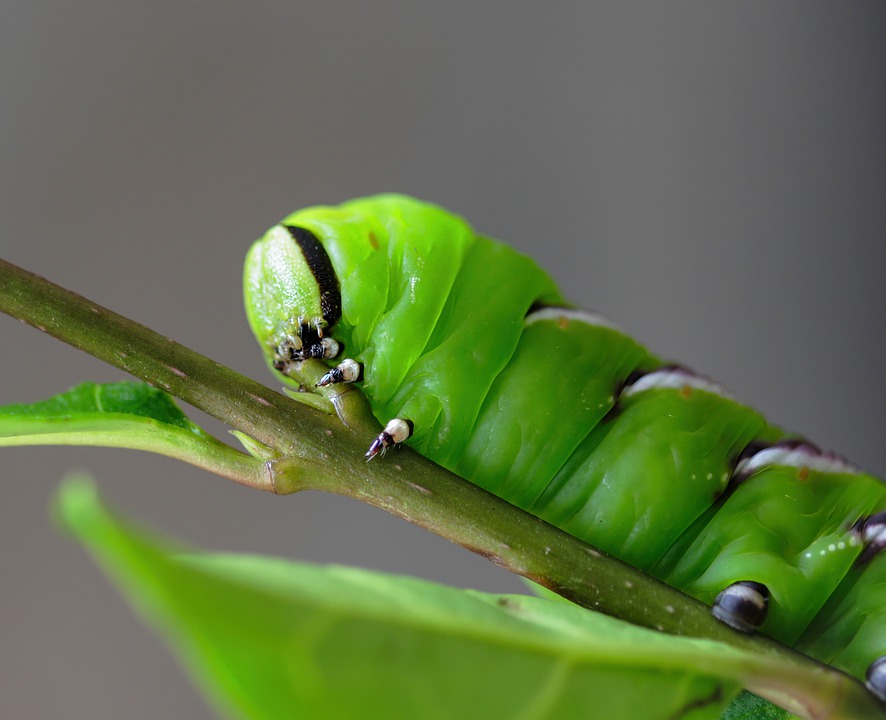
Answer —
125 414
139 563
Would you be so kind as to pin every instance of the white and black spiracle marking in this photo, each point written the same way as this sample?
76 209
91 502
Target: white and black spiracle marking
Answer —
743 605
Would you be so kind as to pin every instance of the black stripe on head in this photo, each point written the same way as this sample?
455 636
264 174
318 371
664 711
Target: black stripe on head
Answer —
321 267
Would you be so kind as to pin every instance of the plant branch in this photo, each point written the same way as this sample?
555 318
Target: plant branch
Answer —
317 452
149 356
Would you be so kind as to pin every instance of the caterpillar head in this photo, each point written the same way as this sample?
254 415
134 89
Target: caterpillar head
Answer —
292 296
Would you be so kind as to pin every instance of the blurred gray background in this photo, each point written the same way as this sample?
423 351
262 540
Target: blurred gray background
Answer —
710 175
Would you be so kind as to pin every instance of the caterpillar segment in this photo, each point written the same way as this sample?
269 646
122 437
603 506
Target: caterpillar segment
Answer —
466 350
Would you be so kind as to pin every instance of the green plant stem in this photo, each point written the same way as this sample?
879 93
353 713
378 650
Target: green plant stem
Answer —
318 452
158 360
147 435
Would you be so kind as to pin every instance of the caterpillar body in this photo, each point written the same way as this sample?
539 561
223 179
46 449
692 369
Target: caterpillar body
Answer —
466 350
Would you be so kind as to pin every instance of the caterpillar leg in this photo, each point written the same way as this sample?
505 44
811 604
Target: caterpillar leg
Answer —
743 605
290 353
395 432
347 371
875 678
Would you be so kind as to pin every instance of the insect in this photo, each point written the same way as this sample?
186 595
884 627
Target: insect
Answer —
466 350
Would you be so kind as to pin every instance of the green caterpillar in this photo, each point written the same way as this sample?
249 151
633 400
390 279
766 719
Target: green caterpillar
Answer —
466 350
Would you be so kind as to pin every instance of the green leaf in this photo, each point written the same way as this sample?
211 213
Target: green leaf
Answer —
268 638
130 398
748 706
124 414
